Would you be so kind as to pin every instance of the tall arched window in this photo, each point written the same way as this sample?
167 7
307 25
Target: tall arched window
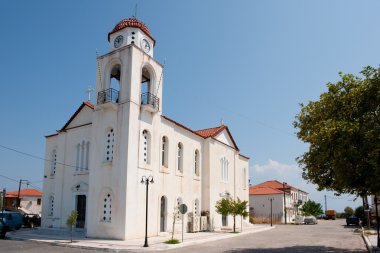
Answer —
51 206
53 165
107 213
87 155
164 151
77 164
180 157
244 178
146 146
110 141
196 162
196 207
224 169
114 84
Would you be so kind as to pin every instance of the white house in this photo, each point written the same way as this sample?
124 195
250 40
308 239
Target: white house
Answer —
282 196
98 159
30 201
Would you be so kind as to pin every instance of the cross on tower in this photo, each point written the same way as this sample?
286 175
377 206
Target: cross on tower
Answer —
88 91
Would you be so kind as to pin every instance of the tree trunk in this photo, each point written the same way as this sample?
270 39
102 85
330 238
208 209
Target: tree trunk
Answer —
234 223
173 226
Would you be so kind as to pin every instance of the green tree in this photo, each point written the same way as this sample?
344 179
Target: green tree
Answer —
71 222
227 206
343 132
311 208
348 211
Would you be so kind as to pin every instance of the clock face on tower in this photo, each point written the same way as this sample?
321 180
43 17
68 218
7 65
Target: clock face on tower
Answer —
145 45
118 41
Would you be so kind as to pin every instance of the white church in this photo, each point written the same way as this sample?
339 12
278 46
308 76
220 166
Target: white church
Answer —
98 159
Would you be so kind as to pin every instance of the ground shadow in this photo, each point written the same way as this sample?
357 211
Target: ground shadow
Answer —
297 249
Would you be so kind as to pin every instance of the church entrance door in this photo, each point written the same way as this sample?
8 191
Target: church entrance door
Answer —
81 209
163 214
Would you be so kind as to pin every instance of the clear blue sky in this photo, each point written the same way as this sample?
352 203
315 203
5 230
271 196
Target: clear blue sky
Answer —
248 62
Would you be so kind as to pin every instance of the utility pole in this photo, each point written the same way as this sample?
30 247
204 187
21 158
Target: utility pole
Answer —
18 194
283 186
325 204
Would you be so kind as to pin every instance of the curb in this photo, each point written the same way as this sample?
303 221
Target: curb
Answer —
161 246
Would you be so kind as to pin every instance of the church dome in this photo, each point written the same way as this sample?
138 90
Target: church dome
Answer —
131 22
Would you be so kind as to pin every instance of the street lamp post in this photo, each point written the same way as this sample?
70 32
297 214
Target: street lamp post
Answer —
283 186
146 180
377 222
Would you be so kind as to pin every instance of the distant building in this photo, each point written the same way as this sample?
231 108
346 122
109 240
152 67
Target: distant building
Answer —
30 201
260 200
98 158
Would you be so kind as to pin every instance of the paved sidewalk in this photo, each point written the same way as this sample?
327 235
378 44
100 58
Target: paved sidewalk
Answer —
370 240
60 237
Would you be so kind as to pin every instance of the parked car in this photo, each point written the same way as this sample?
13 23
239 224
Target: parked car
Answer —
12 220
321 216
3 230
298 220
31 220
352 220
310 220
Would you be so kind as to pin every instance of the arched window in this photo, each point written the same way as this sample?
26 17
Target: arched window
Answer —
146 146
196 162
244 178
163 214
179 202
115 77
148 96
53 165
224 169
77 164
87 155
196 207
180 157
110 141
107 213
51 206
82 153
164 151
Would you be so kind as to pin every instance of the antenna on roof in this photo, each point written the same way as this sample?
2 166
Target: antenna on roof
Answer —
162 72
99 72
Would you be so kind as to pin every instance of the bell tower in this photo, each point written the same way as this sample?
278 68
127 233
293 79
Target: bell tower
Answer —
128 90
131 31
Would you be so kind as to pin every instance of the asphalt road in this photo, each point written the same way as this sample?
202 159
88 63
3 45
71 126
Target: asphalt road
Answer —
327 236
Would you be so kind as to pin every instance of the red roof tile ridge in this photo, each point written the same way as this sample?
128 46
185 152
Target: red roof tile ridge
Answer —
25 192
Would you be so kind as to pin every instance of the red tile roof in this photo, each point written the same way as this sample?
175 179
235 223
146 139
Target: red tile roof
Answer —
274 184
24 193
264 191
131 22
211 132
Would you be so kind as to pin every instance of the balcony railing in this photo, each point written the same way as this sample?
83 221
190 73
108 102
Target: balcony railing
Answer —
109 95
148 98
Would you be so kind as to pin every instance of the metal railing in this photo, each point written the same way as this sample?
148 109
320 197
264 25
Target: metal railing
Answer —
109 95
148 98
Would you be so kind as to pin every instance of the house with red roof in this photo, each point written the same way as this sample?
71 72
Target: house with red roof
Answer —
102 160
30 201
279 199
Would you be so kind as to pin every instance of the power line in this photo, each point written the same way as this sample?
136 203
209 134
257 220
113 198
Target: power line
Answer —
38 157
17 181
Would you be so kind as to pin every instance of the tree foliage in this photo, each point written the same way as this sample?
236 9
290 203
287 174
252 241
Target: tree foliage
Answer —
348 211
71 222
311 208
227 206
343 130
